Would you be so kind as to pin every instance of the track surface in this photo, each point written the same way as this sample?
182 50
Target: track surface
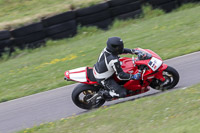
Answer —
56 104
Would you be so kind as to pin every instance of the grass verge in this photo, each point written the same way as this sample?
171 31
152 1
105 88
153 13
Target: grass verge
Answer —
172 112
15 13
43 69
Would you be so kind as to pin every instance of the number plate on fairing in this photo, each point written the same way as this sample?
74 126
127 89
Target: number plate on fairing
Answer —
154 63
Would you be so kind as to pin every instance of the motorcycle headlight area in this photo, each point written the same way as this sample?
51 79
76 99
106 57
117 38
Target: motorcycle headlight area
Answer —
154 63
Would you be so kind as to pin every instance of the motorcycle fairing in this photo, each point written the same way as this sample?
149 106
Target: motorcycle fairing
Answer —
159 75
78 74
156 68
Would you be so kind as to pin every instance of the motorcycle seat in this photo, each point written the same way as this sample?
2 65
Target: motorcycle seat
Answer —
90 74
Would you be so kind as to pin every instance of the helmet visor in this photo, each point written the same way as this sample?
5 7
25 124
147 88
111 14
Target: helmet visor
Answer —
118 48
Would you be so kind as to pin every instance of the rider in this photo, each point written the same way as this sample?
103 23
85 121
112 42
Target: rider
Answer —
108 64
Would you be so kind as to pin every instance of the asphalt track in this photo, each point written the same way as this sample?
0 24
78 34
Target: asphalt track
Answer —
56 104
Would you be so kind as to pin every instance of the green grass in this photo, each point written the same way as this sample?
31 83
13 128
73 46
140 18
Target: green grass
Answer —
43 69
172 112
14 13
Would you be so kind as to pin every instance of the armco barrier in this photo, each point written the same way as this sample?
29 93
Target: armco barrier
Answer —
122 9
4 44
56 30
158 2
93 18
26 30
59 18
4 41
27 35
24 41
4 35
180 2
65 24
102 24
114 3
133 14
166 5
97 15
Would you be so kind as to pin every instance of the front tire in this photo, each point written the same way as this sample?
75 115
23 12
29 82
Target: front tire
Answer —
171 80
82 93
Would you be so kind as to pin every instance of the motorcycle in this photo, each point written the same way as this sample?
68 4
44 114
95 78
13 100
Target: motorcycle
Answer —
154 73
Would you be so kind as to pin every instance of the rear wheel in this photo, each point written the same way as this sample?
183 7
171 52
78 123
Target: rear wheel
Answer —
171 79
86 97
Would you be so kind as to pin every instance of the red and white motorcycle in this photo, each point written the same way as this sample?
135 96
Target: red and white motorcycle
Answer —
154 74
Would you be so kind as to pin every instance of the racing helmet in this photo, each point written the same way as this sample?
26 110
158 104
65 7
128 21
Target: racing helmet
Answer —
115 45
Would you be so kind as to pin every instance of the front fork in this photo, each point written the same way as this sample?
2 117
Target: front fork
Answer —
159 74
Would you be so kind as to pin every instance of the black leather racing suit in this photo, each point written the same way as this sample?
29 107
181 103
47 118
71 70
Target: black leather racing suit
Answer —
106 66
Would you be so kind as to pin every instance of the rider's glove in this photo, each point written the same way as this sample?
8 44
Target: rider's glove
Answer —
141 55
136 51
136 76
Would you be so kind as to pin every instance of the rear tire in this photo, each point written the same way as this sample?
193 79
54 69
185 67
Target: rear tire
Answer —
171 80
86 91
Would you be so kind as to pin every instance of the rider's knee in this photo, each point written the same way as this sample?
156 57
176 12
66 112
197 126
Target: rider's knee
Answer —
122 93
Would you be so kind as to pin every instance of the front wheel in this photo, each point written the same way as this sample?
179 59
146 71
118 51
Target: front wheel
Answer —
86 97
171 80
